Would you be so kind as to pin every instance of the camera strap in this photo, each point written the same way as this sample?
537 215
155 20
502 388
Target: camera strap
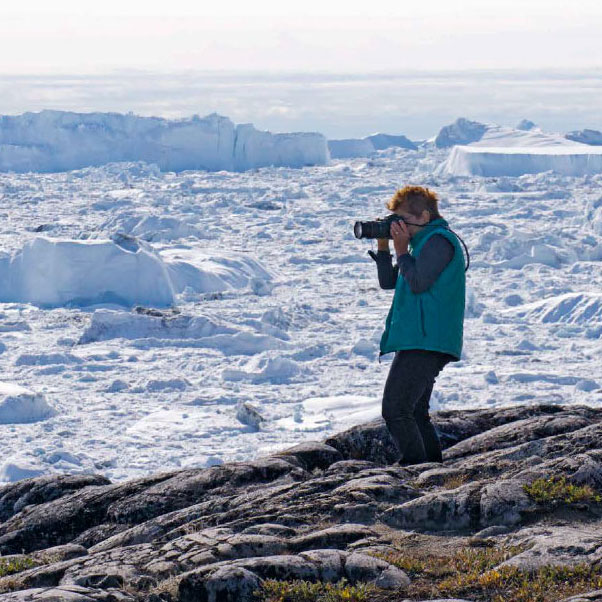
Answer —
463 244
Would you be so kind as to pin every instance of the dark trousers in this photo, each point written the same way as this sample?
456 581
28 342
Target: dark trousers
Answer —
406 404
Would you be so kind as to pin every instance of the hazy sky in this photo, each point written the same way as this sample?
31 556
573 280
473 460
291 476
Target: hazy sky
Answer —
69 36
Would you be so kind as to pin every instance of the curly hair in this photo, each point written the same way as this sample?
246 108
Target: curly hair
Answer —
415 199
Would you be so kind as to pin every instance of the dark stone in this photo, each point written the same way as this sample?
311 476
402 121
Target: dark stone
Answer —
370 442
61 520
38 490
334 537
189 487
313 455
519 431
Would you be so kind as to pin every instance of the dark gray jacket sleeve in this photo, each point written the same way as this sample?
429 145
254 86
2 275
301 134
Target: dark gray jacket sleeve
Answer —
421 273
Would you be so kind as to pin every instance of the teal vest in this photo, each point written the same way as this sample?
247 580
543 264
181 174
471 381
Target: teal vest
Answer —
432 320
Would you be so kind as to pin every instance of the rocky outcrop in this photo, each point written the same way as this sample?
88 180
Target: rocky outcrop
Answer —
319 511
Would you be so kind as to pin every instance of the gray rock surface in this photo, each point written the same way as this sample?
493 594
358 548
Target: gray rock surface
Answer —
316 511
595 596
67 594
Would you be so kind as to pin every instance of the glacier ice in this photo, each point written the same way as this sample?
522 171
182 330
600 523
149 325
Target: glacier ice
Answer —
492 150
592 137
362 147
517 161
54 141
19 405
51 273
123 271
462 131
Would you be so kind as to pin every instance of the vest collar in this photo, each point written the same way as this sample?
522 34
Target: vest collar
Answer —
415 240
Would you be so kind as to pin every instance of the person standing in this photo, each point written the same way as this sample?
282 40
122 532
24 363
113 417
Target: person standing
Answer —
424 326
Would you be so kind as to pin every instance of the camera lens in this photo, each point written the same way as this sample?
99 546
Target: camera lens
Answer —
357 229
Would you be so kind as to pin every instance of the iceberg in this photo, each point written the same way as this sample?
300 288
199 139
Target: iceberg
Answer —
52 273
492 150
350 147
254 148
123 270
517 161
383 141
462 131
592 137
362 147
208 273
19 405
54 141
472 133
526 125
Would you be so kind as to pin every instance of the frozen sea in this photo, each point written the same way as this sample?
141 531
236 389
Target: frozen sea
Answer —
295 304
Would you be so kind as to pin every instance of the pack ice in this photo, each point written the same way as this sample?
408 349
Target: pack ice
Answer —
53 141
492 150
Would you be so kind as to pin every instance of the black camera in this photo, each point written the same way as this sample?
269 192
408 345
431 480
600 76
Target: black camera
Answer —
381 228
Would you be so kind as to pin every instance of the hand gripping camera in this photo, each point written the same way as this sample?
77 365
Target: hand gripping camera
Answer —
381 228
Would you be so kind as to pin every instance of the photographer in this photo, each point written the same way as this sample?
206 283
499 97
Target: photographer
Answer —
424 326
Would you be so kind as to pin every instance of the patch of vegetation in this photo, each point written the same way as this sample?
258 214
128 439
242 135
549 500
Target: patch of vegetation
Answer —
547 584
463 561
472 573
556 490
449 482
305 591
168 588
10 566
454 481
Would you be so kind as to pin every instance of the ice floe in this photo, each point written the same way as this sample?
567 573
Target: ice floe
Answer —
19 405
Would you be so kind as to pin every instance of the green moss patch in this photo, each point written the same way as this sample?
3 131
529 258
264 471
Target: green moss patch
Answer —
305 591
11 566
554 490
472 573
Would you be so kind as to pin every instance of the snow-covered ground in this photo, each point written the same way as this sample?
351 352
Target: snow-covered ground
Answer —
277 305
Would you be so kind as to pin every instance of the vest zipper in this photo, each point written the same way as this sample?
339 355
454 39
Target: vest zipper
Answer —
421 317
